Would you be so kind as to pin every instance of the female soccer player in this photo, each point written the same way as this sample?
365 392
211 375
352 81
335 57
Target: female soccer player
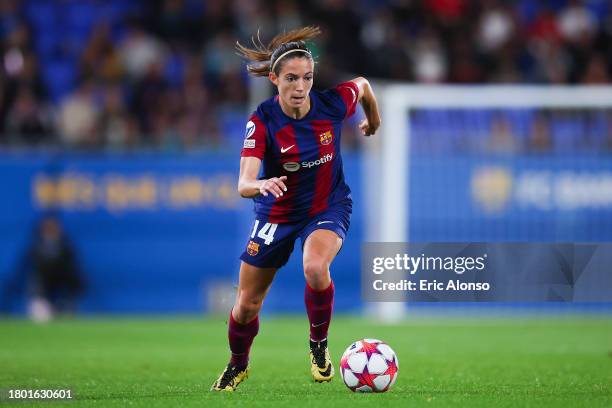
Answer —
301 193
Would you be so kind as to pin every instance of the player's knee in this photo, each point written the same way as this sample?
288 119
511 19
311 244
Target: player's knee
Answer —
248 307
316 270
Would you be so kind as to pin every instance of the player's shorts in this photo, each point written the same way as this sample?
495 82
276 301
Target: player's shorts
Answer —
270 245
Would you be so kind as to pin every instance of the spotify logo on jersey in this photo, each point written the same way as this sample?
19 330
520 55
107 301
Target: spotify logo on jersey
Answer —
295 166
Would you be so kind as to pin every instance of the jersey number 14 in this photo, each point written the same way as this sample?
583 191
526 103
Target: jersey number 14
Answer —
266 232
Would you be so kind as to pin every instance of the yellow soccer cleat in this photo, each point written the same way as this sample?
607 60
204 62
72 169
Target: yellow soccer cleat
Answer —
230 378
321 365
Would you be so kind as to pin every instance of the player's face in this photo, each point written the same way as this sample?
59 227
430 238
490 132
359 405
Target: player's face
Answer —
294 82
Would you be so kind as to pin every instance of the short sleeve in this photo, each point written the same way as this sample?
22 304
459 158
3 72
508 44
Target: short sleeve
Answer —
254 138
349 92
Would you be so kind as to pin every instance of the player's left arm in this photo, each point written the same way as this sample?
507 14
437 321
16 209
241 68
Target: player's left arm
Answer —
370 106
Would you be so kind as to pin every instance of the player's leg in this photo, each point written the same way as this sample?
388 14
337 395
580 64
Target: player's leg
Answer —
320 248
254 283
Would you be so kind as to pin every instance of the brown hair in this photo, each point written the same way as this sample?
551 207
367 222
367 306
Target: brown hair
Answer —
264 56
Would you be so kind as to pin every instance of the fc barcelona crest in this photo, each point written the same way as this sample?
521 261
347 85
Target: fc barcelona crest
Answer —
252 248
326 137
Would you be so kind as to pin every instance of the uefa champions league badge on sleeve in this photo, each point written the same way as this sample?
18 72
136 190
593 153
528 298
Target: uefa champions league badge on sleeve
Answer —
249 143
486 272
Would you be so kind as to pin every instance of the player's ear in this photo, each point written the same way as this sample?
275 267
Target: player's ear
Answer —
273 78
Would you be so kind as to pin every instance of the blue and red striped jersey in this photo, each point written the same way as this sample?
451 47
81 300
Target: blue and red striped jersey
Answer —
306 150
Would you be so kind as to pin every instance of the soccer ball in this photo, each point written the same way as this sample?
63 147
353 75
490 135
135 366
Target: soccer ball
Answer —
369 365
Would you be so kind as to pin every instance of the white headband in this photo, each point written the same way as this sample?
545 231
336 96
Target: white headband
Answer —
289 52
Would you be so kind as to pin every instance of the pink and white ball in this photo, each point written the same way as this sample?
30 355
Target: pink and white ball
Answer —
369 365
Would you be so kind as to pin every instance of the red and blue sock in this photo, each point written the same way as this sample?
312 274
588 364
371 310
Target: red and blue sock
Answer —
319 306
240 340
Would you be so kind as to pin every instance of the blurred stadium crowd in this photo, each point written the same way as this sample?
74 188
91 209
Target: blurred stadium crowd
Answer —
119 74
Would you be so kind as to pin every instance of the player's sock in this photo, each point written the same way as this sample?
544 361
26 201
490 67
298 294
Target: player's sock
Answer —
240 339
319 305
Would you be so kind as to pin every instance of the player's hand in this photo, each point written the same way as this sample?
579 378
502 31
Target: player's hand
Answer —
274 185
367 128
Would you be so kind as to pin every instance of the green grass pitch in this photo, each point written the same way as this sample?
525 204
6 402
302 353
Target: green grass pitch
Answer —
556 362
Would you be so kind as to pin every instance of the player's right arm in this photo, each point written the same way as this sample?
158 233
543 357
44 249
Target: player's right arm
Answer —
252 154
248 184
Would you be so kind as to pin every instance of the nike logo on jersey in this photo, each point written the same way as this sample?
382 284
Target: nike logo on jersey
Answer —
286 149
324 222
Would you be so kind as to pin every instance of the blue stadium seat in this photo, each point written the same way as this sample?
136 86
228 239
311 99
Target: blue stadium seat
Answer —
122 8
566 133
194 7
557 5
476 126
520 120
48 43
175 66
597 131
599 8
75 41
81 14
80 18
528 10
116 12
60 78
42 14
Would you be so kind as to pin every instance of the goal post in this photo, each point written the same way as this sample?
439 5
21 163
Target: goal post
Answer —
387 155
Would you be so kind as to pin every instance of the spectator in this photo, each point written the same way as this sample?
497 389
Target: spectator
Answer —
78 118
171 21
428 58
596 72
139 51
9 16
196 118
539 136
544 26
118 129
448 12
28 121
496 26
150 101
502 140
20 80
100 60
56 282
576 21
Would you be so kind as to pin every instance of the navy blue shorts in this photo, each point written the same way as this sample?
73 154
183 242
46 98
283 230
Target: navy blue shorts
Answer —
270 245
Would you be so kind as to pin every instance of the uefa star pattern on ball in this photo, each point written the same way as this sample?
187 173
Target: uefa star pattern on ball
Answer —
369 365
